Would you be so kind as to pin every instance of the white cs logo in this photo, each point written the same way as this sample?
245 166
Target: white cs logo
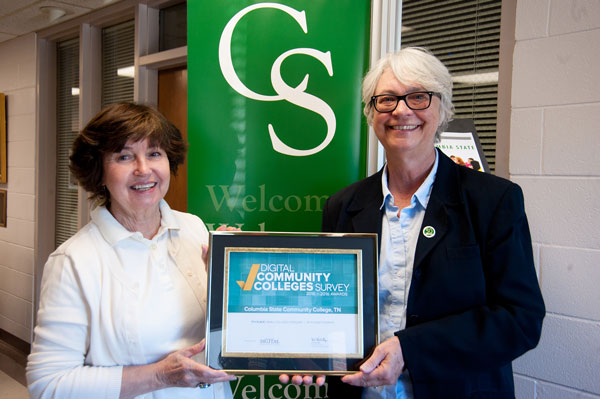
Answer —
295 95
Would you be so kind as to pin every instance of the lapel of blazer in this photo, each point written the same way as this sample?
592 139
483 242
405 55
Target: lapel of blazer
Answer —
366 215
444 194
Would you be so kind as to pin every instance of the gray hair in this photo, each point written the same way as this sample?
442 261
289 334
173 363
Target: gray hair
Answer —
412 65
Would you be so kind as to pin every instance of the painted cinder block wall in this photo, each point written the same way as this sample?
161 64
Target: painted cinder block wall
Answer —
555 157
18 83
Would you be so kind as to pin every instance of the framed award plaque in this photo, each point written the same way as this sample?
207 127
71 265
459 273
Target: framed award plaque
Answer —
296 303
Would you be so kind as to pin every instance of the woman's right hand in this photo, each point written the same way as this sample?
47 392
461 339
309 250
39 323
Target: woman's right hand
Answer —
222 227
301 379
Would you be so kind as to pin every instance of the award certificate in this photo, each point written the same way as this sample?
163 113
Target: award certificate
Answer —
290 302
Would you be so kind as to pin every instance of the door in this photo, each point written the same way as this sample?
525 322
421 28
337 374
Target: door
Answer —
172 102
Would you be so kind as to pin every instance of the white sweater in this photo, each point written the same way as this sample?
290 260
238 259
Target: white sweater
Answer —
111 298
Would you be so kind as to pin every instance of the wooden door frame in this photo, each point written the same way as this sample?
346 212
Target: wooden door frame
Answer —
172 102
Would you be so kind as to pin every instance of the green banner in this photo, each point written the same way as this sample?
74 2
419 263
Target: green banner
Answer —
274 109
274 120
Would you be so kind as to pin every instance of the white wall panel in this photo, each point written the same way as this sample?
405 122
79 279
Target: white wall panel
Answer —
568 16
567 354
562 211
571 281
559 70
572 140
526 141
532 19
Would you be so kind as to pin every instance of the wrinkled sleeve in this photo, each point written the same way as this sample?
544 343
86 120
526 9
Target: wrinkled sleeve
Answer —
56 366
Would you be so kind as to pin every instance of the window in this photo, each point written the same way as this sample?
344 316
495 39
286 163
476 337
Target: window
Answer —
117 86
67 121
173 27
118 63
465 35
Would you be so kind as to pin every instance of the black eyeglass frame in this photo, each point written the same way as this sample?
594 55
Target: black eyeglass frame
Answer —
403 98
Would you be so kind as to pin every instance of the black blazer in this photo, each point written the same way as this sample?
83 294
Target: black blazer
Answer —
474 303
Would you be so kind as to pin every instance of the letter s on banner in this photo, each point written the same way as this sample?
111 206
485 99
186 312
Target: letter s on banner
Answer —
299 97
293 95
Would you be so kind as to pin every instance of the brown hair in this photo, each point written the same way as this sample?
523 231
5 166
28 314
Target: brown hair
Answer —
109 131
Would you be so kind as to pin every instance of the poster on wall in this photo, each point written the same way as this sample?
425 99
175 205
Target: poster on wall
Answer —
275 120
461 143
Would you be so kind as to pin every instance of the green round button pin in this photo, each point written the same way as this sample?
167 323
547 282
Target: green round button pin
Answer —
428 231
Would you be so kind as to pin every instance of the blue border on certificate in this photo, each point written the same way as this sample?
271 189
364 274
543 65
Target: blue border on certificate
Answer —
287 282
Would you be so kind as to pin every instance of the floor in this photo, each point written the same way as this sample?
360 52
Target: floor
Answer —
11 389
12 372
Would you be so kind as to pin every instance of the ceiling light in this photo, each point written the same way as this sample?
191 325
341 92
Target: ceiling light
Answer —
52 13
127 72
477 78
74 91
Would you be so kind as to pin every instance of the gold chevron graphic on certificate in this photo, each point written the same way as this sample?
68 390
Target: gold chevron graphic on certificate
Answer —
247 285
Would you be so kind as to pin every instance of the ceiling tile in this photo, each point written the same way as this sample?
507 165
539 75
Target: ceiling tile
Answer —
5 36
32 19
10 6
18 17
89 3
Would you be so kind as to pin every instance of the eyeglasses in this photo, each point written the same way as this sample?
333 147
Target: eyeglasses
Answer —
416 101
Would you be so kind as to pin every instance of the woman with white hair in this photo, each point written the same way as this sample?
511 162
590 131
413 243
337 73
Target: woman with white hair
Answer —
458 293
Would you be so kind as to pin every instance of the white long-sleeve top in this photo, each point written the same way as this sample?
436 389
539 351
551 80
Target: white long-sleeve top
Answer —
111 298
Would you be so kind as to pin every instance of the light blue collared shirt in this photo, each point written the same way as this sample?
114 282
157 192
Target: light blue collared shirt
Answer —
400 231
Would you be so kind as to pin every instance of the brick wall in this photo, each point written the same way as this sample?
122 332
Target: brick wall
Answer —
18 83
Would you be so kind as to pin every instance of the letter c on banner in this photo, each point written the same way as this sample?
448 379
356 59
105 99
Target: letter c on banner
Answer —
225 60
293 95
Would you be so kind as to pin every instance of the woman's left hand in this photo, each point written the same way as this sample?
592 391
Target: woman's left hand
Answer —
178 369
383 367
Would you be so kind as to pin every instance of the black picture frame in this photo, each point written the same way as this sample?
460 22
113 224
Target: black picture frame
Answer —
224 243
3 211
3 141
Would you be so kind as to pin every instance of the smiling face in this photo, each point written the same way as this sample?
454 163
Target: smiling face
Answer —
137 178
405 132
